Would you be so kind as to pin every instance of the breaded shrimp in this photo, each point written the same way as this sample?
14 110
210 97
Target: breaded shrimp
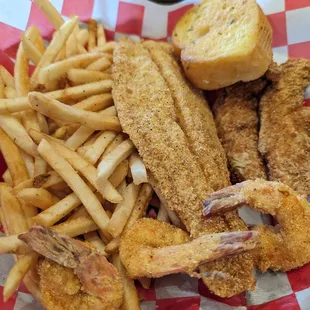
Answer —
81 279
163 249
282 247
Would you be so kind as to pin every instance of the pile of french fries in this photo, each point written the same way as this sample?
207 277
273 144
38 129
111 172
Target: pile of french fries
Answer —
69 166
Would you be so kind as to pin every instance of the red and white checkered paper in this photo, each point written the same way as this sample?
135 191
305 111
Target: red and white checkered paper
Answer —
290 20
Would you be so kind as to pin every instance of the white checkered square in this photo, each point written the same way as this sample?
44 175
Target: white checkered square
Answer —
272 6
15 13
280 54
151 19
57 4
174 286
148 305
303 298
6 263
209 304
269 286
298 25
105 11
26 302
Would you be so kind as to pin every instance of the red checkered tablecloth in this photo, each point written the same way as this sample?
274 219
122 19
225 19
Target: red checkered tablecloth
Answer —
290 20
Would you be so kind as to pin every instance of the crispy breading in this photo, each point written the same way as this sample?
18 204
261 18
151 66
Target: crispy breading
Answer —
147 112
283 247
237 121
194 116
61 288
284 134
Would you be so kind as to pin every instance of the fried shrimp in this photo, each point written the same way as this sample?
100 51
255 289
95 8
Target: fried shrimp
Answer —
283 247
163 249
81 279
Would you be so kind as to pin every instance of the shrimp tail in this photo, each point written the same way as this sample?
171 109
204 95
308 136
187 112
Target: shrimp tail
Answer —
57 247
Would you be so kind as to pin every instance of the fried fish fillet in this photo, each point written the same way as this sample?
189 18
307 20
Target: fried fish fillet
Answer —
237 121
194 117
149 113
284 139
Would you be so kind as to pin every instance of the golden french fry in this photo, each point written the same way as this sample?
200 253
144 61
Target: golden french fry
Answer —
57 110
14 216
72 46
95 103
37 136
109 111
138 211
81 91
10 92
131 297
56 212
39 42
92 38
40 166
101 39
87 197
79 212
7 77
61 56
43 125
96 150
106 48
163 215
11 244
30 49
79 137
38 197
66 131
76 227
59 69
29 120
28 160
13 159
101 64
17 273
84 76
123 210
13 128
41 181
2 86
112 160
53 49
145 282
87 170
137 168
50 12
83 133
7 177
93 238
32 286
82 36
116 142
76 92
21 70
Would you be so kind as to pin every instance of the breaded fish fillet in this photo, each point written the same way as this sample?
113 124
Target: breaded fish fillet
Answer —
194 116
284 139
148 114
237 121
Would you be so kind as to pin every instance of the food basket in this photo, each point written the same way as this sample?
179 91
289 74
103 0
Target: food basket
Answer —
148 19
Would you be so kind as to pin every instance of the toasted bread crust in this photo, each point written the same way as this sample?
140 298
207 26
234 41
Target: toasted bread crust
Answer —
247 60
